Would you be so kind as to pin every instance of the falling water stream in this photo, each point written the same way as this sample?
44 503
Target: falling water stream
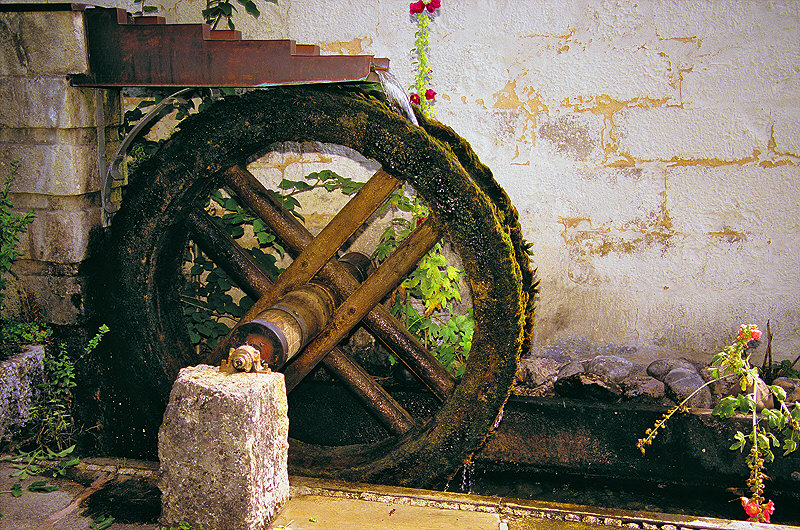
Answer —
396 95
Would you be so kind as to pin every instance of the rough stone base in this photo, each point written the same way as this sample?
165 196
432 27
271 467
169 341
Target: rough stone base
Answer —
223 449
19 377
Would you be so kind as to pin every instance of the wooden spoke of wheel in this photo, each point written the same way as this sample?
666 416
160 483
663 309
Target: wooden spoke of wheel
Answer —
323 247
383 325
368 295
226 253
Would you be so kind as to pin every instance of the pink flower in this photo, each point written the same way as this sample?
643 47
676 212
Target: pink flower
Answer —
415 99
769 509
430 94
433 5
756 513
755 334
417 7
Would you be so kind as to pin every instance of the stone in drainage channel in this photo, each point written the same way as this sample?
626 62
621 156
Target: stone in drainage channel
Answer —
600 492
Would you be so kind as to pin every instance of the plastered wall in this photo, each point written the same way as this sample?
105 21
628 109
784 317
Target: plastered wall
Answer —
651 148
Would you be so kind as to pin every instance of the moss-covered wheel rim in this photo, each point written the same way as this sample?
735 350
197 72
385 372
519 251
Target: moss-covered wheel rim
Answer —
148 235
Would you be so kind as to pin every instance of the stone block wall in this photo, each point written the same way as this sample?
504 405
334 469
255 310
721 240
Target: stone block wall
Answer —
51 128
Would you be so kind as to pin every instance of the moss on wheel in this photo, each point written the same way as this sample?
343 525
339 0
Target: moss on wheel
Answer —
147 247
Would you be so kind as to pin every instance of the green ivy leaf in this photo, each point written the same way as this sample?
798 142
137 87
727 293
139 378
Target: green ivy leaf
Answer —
41 486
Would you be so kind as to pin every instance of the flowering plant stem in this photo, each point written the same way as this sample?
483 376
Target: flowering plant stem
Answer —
423 95
734 361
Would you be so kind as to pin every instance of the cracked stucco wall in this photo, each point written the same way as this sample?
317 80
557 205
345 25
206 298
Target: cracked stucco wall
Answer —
651 148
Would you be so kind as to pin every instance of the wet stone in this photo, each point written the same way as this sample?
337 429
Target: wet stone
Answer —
538 371
585 385
642 388
661 367
791 387
572 368
611 366
680 383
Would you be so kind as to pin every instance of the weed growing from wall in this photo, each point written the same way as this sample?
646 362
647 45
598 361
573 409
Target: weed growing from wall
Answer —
11 226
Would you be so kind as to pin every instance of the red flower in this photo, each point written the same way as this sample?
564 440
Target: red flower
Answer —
750 508
755 334
430 94
433 5
415 99
417 7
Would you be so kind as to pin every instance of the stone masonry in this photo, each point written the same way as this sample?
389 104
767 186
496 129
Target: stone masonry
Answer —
223 449
51 128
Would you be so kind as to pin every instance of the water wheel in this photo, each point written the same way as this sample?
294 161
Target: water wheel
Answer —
163 207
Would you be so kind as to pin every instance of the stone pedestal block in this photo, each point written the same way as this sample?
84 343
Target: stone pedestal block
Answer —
223 449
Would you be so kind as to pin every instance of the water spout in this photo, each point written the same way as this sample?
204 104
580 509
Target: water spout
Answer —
395 95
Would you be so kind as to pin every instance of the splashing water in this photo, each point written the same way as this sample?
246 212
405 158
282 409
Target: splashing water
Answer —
397 97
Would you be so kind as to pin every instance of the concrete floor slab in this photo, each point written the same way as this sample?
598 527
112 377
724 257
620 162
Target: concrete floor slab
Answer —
330 505
311 512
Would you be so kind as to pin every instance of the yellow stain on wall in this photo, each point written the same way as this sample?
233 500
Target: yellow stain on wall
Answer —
731 235
356 46
530 104
606 106
583 239
687 40
778 158
713 162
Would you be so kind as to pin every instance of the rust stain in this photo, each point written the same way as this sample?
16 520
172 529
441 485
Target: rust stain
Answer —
356 46
562 41
507 98
778 158
687 40
731 235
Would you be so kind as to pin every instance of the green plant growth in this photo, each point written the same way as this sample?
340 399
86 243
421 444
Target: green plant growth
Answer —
144 8
771 370
771 428
42 461
425 301
50 422
102 522
11 226
38 486
183 525
14 333
217 11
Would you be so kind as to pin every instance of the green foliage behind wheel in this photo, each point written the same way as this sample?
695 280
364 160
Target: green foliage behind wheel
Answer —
149 233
